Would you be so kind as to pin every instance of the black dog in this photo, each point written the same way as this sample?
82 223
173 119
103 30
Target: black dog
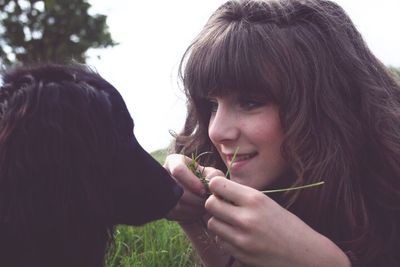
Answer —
70 168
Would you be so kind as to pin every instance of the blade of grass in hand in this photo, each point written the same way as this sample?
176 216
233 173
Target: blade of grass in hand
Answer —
228 172
293 188
193 167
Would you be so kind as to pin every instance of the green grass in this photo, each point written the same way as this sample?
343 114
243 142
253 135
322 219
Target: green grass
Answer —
157 244
161 243
160 155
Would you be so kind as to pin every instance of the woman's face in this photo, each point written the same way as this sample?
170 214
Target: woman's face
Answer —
254 127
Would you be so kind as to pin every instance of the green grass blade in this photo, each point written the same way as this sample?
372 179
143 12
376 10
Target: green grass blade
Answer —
293 188
201 154
228 172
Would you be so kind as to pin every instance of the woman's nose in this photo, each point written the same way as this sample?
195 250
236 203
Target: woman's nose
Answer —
223 126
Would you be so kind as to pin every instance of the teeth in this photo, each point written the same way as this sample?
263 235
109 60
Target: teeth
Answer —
243 157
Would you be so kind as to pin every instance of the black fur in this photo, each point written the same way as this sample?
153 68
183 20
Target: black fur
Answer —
70 168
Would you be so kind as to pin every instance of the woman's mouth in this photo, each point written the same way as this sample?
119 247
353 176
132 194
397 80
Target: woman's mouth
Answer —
239 158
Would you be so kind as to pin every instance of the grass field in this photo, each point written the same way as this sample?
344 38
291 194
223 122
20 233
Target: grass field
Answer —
157 244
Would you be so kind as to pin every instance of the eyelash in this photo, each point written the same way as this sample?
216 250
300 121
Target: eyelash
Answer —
213 106
246 105
250 104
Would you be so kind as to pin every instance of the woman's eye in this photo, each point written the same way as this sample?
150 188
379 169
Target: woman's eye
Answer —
213 106
251 104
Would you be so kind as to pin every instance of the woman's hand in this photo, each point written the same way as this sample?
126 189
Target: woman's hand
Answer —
190 211
259 232
190 207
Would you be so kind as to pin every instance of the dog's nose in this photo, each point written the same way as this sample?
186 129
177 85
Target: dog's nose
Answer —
146 191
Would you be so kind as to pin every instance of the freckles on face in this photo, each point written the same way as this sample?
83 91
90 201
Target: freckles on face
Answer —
256 129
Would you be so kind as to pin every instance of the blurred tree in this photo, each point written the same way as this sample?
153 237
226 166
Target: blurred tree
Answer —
49 30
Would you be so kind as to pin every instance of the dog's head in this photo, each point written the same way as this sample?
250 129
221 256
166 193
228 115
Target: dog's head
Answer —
69 158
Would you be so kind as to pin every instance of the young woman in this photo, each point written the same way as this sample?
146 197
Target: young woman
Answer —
294 87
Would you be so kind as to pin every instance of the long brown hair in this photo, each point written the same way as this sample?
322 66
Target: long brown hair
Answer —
339 108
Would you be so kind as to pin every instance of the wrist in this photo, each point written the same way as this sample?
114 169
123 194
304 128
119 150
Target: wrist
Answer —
327 253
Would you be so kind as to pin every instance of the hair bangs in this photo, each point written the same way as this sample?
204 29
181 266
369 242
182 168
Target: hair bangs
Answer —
230 60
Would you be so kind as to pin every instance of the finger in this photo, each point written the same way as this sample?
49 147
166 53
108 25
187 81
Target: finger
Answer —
230 191
191 199
225 231
222 210
230 239
176 165
210 172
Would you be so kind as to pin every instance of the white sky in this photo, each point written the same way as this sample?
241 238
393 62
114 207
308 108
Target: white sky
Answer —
153 36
